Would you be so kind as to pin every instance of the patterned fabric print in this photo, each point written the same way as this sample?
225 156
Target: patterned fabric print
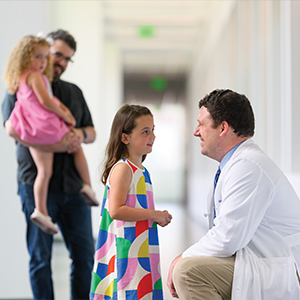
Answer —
127 263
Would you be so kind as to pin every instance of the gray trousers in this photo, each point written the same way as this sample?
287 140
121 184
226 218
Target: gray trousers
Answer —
204 278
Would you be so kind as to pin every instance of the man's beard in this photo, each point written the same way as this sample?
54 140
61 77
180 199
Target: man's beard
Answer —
56 75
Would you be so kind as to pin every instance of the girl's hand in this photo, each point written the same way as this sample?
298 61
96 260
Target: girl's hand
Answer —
68 117
162 218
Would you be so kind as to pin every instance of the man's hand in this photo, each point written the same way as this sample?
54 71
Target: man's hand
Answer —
74 140
76 137
170 283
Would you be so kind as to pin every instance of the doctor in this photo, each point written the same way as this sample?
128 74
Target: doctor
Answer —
252 249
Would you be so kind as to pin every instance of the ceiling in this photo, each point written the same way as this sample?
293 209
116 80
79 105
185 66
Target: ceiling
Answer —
157 37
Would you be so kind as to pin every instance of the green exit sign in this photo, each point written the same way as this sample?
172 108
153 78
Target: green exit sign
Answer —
146 31
158 83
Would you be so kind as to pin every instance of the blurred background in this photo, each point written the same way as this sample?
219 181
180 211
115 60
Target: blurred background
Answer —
166 55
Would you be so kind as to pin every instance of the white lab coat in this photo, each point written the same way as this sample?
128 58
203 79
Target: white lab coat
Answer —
258 218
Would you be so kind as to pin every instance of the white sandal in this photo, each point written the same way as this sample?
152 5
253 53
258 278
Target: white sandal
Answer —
89 195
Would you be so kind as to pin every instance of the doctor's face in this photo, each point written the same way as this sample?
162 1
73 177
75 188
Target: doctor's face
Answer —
209 136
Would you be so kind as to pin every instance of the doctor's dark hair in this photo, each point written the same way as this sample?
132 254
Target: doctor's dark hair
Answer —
64 36
234 108
124 122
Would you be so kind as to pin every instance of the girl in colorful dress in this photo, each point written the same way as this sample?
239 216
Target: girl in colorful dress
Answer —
127 263
39 118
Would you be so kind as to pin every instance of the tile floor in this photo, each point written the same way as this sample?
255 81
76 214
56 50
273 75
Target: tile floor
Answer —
173 238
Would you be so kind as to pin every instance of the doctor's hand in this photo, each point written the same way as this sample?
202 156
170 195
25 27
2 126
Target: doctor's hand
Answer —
170 283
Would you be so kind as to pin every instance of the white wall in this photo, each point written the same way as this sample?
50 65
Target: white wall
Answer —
14 279
254 50
83 19
97 71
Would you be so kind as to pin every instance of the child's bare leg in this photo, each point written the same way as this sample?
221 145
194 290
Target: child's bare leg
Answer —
10 130
82 166
40 217
83 170
44 165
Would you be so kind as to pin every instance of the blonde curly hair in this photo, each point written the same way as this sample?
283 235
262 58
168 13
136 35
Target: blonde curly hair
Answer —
20 60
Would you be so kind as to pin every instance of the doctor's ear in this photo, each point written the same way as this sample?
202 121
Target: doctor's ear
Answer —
124 139
224 127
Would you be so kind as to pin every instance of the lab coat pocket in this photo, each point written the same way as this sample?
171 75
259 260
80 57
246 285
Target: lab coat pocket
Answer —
264 278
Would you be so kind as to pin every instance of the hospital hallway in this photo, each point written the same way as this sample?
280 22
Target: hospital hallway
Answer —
174 239
165 55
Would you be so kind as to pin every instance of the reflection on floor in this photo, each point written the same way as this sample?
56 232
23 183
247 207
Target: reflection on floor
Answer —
174 239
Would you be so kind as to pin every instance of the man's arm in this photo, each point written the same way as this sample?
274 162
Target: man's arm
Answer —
62 146
85 135
88 134
70 143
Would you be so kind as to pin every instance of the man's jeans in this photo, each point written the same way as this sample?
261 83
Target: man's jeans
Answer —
74 219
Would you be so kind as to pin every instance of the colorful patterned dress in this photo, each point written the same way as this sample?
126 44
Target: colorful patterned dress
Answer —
127 263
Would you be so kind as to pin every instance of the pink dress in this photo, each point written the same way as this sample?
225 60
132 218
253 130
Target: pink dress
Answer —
33 123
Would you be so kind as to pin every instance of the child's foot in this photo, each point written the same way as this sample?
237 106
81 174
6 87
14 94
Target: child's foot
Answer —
89 195
43 222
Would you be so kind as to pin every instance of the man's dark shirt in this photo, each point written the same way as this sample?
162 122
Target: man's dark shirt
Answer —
65 177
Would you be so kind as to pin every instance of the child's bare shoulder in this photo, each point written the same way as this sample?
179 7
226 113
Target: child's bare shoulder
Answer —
120 171
33 76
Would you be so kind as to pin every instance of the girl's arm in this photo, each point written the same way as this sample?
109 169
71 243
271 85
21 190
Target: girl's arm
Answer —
120 180
35 81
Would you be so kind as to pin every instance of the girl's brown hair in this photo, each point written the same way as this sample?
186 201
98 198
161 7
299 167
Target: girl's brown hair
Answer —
20 59
124 122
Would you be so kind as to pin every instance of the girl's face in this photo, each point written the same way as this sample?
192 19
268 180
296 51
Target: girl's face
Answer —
141 139
40 58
